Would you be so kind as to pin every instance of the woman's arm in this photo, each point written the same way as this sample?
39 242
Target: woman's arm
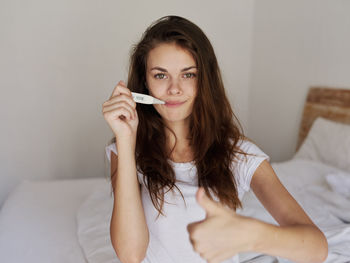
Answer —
224 233
297 237
128 229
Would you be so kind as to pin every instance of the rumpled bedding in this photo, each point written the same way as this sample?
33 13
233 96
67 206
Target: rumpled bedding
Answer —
318 188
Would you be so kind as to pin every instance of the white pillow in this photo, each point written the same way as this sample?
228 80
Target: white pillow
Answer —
93 218
327 142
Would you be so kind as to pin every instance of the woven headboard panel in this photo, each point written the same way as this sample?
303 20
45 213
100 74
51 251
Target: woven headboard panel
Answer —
329 103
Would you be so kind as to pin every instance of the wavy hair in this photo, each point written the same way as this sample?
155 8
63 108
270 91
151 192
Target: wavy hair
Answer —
214 128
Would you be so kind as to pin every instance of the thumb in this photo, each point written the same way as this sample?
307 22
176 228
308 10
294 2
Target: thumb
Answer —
211 207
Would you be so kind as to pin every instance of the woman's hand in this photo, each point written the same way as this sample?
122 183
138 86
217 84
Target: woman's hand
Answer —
120 113
223 233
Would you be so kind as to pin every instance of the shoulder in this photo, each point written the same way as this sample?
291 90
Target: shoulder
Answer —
247 159
249 148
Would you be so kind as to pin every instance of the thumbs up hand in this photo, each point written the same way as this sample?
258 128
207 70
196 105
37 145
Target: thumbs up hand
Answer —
223 233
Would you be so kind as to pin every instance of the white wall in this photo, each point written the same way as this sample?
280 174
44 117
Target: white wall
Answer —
60 61
296 44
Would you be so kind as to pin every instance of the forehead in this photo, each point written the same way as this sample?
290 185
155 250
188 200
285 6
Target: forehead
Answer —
170 55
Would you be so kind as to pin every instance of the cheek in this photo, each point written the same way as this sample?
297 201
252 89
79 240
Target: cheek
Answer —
155 92
191 87
192 91
156 88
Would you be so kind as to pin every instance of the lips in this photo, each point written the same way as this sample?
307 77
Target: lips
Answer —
174 103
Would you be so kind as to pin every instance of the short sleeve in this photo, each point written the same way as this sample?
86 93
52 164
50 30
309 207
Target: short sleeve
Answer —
110 148
246 165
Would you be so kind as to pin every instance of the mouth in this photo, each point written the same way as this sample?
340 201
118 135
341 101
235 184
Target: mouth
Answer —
174 104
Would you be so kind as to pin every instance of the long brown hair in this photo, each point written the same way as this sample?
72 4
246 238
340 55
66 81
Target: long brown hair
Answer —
214 129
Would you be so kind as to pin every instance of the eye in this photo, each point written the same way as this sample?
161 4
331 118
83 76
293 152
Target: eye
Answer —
189 75
160 76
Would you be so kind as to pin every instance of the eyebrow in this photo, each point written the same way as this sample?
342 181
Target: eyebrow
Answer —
164 70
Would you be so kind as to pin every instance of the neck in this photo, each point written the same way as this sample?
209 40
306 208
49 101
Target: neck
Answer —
181 132
182 151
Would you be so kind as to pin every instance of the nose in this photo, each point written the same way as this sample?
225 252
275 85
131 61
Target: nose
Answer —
174 88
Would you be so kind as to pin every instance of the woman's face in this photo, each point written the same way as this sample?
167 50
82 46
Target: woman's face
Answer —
172 77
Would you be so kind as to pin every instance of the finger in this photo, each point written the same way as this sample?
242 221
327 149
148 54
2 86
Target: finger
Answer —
190 230
115 91
193 234
120 88
223 255
121 97
214 260
192 226
208 254
136 115
121 104
204 249
211 207
118 112
213 255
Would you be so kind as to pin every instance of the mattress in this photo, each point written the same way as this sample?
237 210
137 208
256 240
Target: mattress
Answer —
49 208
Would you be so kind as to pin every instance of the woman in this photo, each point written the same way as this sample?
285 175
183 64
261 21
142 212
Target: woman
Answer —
162 154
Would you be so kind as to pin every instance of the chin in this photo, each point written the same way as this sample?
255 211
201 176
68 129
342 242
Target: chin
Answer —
175 118
174 115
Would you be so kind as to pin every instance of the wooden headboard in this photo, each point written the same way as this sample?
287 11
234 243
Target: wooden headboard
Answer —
326 102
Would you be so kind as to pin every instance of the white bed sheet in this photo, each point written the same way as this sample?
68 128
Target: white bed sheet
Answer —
38 221
305 180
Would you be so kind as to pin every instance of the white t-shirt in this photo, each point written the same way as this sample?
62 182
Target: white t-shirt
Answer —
169 240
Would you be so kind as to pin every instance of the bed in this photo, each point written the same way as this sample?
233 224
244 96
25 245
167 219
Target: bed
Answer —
68 220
